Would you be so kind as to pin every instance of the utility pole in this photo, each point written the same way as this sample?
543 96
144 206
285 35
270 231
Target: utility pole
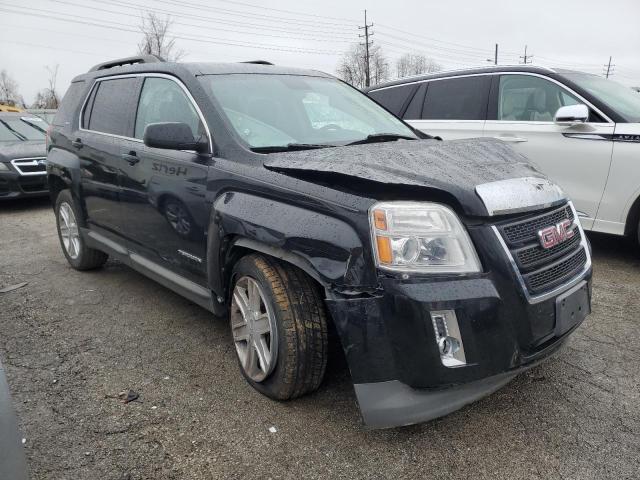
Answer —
367 44
608 69
494 60
526 58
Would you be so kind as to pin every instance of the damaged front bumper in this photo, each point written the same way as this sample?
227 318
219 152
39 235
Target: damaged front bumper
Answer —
393 353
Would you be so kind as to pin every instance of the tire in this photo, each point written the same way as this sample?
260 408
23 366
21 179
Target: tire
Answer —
75 249
296 311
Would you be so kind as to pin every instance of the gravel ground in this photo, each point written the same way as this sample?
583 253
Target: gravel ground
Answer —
71 341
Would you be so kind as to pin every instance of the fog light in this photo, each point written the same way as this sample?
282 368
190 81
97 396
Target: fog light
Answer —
448 338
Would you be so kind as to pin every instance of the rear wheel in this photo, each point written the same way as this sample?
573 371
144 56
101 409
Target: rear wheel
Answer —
279 327
78 254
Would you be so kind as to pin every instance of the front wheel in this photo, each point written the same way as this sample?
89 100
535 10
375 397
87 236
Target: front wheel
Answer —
279 327
78 254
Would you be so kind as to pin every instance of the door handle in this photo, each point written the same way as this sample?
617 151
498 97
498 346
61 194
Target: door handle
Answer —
131 158
77 143
507 138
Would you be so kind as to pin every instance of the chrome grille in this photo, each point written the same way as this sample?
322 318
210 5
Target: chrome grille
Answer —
30 166
542 270
525 230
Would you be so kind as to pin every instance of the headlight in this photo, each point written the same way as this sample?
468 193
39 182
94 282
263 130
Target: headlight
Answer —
421 237
4 167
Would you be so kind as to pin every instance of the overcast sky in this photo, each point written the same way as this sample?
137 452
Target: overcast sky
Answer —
77 34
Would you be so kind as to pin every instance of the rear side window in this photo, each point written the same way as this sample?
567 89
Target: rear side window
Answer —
394 99
69 104
113 107
463 98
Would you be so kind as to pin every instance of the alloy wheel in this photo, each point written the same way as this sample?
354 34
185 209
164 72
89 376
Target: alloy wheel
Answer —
69 230
254 329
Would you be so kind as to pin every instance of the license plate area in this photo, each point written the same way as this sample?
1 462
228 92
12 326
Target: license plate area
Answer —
572 307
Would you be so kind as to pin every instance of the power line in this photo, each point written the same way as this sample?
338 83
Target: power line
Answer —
205 27
203 39
251 5
457 52
226 11
137 7
466 47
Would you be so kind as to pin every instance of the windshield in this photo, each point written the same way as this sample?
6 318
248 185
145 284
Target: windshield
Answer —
22 129
285 110
622 99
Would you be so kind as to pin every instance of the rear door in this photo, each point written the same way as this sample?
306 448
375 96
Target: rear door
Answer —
106 118
575 157
453 108
163 191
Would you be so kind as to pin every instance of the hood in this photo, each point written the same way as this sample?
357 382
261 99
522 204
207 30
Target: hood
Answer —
12 150
457 167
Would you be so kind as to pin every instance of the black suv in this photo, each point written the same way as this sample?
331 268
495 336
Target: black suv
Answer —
290 202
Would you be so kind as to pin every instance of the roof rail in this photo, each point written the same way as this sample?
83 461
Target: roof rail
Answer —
258 62
127 61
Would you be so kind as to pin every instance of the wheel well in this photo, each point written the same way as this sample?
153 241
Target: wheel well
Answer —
56 185
633 217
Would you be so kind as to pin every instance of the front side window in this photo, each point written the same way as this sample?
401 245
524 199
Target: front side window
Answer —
112 107
526 98
463 98
163 100
269 110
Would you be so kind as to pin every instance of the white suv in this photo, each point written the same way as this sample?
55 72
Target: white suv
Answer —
582 130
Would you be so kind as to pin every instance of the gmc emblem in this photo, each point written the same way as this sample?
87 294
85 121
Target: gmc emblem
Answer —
556 234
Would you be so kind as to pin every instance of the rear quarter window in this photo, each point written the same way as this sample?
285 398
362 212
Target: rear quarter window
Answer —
394 99
464 98
69 104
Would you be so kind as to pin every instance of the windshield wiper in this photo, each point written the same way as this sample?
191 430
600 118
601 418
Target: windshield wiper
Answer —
382 137
17 134
290 147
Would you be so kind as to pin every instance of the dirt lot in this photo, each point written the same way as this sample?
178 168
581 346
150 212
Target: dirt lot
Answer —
70 342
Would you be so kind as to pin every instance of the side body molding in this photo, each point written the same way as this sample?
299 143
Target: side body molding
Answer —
327 248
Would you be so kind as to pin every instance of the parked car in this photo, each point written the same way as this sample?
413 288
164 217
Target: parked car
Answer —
13 463
446 268
581 130
22 156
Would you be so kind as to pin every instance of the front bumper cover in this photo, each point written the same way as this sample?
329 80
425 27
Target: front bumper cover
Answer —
395 404
13 185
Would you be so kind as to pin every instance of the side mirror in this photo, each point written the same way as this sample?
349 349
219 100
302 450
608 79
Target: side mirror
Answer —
172 136
572 115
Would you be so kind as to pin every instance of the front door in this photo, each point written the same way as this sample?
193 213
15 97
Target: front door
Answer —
575 157
163 191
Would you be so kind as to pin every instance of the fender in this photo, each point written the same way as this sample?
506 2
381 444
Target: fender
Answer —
65 166
326 248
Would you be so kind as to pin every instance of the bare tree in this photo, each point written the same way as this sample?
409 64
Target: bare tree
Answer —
48 97
352 67
156 39
415 64
8 89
